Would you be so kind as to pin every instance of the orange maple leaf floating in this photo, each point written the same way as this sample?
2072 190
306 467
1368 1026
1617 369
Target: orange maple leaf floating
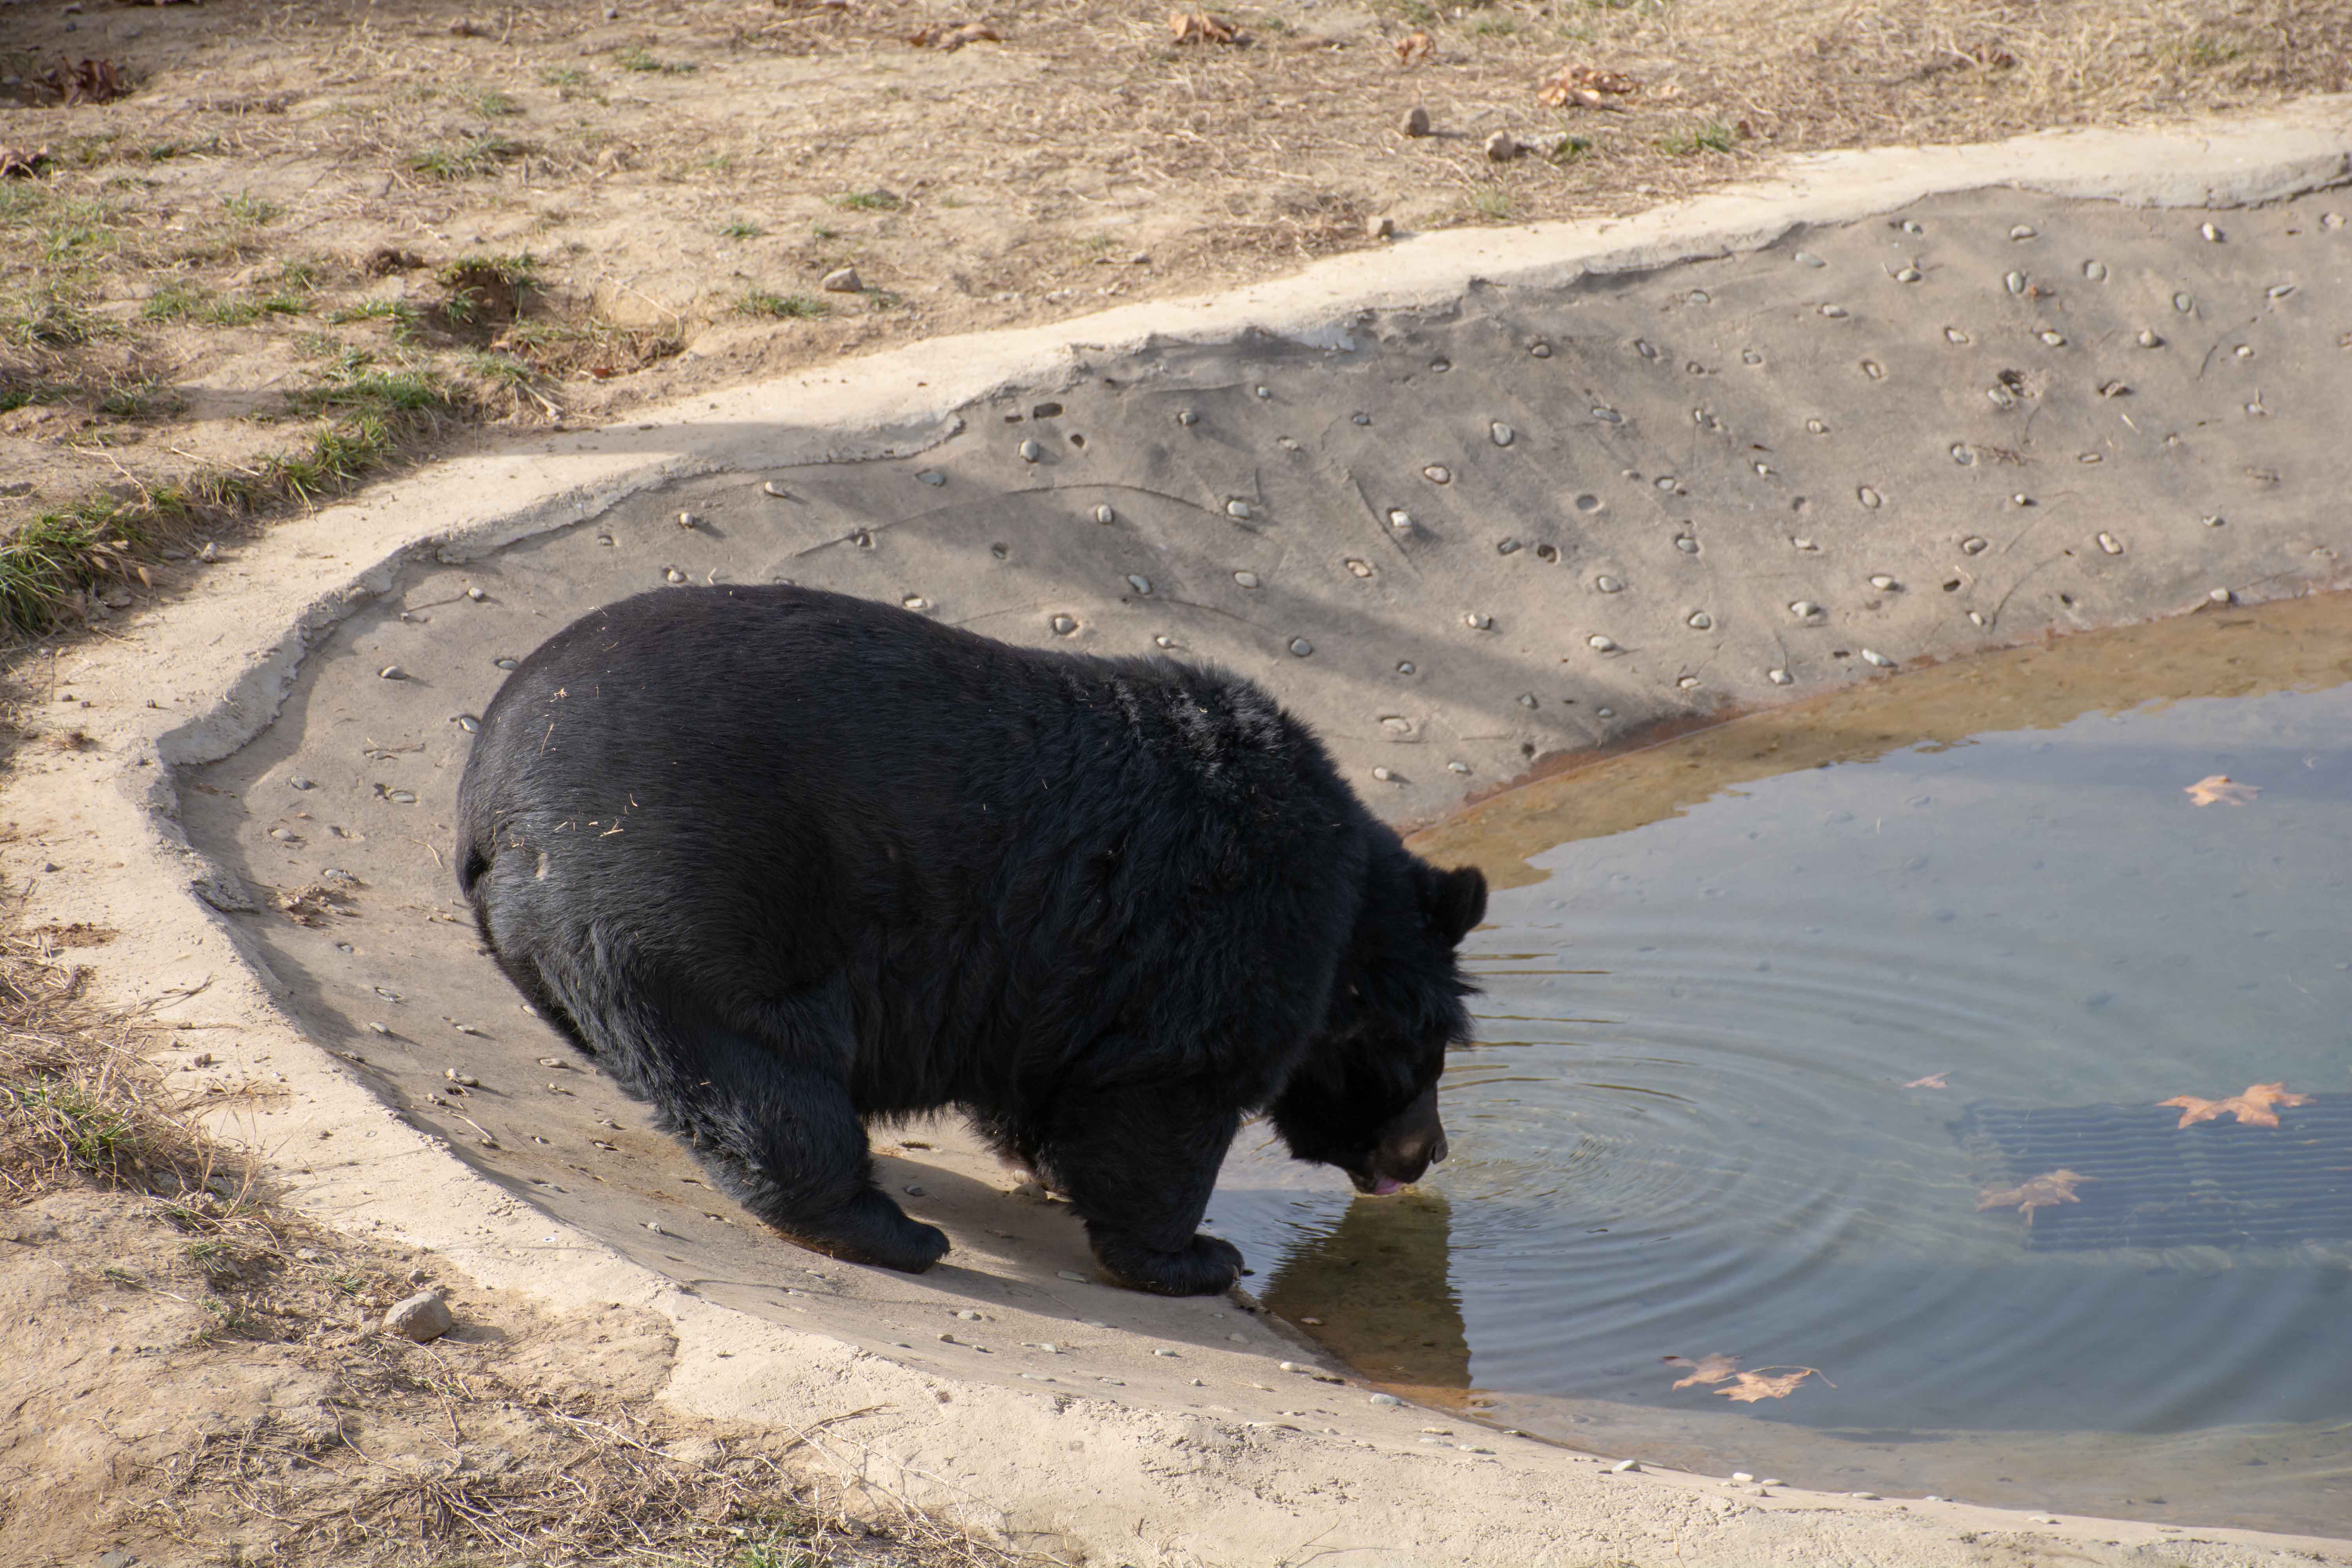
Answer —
1708 1368
1933 1080
1746 1387
2046 1191
2253 1108
1768 1383
2220 790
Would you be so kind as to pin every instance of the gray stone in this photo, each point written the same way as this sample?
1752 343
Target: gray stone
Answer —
842 281
422 1317
1416 121
1502 147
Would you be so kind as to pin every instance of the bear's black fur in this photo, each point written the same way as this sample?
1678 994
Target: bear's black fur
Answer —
784 861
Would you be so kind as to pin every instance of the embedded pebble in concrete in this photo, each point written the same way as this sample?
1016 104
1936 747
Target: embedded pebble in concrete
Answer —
1031 451
1247 579
1503 433
1438 474
1105 514
1239 509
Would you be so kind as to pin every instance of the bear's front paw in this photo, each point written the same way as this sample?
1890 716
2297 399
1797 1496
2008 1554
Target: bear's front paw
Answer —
1201 1267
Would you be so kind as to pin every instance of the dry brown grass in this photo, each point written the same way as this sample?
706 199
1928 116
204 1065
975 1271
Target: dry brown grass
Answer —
531 214
462 1451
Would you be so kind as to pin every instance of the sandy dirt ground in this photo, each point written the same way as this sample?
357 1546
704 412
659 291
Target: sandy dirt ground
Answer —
309 242
250 251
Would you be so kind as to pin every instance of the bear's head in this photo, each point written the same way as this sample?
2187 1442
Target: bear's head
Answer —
1364 1095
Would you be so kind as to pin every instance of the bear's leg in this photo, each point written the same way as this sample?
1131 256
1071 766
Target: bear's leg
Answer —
1139 1163
786 1141
768 1116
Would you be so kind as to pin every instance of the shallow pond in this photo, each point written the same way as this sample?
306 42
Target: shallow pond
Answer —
1782 1023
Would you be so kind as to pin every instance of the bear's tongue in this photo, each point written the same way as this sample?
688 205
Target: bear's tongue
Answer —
1384 1185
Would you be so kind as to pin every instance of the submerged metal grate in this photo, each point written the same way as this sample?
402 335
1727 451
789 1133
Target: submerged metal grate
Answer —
2154 1183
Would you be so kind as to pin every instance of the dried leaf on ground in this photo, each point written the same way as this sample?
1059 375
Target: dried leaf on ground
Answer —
23 162
1708 1368
1933 1080
311 905
1587 87
1768 1383
2220 790
91 81
1201 27
1416 44
2253 1108
2046 1190
952 37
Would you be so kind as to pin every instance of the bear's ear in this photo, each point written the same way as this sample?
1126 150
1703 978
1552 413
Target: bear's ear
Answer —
1454 900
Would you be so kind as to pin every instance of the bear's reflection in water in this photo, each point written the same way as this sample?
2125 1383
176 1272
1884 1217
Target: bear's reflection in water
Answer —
1377 1282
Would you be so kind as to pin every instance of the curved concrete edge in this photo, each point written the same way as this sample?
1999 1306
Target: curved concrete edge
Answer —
195 680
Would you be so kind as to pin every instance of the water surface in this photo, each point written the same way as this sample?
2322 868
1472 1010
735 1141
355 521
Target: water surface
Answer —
1686 1127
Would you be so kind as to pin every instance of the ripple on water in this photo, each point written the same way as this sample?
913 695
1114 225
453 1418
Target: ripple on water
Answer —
1685 1126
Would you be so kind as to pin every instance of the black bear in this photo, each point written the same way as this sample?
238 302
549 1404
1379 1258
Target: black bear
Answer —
784 862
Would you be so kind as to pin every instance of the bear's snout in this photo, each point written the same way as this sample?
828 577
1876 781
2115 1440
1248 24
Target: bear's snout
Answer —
1412 1141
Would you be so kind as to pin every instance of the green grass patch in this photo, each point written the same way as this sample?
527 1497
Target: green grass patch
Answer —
760 302
470 159
741 230
45 566
25 394
493 105
141 400
1714 136
1491 202
563 77
635 58
46 322
96 1135
248 211
866 201
367 391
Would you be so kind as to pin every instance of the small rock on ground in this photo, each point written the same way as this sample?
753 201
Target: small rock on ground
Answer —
1416 121
422 1317
842 281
